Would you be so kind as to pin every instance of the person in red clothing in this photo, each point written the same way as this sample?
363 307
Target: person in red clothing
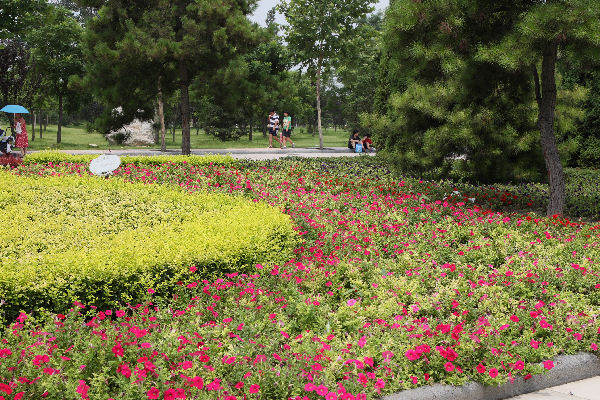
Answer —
367 142
20 129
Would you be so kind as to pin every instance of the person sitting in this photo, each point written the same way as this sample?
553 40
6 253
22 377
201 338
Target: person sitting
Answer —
367 142
353 140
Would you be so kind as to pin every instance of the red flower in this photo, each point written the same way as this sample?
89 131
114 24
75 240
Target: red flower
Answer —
254 388
480 368
412 354
153 393
5 388
549 364
519 365
449 366
493 372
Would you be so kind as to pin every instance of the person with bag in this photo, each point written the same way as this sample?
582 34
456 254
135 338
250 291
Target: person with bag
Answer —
20 129
354 142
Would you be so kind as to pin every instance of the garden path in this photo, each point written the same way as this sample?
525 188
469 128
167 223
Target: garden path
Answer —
247 154
586 389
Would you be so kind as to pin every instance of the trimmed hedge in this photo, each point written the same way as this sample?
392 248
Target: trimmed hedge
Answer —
105 241
56 157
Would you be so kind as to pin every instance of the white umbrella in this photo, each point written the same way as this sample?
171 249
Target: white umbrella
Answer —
104 165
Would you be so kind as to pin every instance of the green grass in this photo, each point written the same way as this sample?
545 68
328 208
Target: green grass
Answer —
76 138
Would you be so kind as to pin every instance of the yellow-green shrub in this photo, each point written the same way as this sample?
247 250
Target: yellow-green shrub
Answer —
56 157
104 241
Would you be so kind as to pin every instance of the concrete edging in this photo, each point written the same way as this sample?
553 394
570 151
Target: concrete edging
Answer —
566 369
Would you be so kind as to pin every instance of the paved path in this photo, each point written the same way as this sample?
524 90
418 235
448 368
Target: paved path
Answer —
587 389
247 154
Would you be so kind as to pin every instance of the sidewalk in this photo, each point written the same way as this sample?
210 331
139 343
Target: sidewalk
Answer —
245 154
586 389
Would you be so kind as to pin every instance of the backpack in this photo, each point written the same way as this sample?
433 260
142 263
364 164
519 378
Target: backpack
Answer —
358 148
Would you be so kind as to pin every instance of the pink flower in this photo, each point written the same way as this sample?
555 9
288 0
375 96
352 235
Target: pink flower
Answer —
351 302
331 396
549 364
153 393
594 346
82 389
493 372
5 388
309 387
254 388
514 318
519 365
151 291
412 355
481 368
449 366
322 390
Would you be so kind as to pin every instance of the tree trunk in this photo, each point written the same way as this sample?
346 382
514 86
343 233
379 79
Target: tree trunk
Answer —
33 126
250 133
60 112
185 112
161 116
546 100
319 105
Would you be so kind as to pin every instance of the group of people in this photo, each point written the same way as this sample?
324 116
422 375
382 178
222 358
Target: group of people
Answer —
22 141
365 142
280 132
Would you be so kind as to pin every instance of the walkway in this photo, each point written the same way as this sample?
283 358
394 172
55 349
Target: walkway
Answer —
586 389
246 154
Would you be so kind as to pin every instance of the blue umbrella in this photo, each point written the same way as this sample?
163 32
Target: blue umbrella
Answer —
14 109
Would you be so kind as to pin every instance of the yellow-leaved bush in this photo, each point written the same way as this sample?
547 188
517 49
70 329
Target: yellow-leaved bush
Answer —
104 241
56 157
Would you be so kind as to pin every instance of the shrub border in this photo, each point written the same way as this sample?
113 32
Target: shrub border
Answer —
566 369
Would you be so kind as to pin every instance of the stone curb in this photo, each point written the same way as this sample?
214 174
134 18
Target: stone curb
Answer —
566 369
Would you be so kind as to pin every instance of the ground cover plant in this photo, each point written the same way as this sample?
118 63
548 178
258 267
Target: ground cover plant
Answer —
397 283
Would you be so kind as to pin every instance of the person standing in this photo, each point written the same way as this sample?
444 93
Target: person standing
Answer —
273 128
22 141
286 132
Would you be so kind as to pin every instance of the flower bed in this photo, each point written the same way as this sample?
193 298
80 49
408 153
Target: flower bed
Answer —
394 286
104 242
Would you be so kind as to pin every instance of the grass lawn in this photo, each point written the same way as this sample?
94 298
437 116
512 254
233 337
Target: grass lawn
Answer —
75 138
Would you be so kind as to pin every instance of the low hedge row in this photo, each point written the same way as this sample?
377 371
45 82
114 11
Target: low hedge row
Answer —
56 157
105 241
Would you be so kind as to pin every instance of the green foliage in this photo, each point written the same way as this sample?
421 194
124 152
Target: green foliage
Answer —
317 31
441 102
104 242
55 157
589 127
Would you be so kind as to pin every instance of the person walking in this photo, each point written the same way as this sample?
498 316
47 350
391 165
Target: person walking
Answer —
20 128
286 132
273 128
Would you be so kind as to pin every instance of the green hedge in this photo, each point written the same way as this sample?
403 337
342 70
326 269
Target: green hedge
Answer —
105 241
56 157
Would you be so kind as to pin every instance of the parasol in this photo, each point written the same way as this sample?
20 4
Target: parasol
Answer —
104 165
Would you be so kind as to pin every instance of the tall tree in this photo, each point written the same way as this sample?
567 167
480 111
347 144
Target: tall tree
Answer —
19 77
535 44
193 37
357 70
317 31
437 102
58 55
